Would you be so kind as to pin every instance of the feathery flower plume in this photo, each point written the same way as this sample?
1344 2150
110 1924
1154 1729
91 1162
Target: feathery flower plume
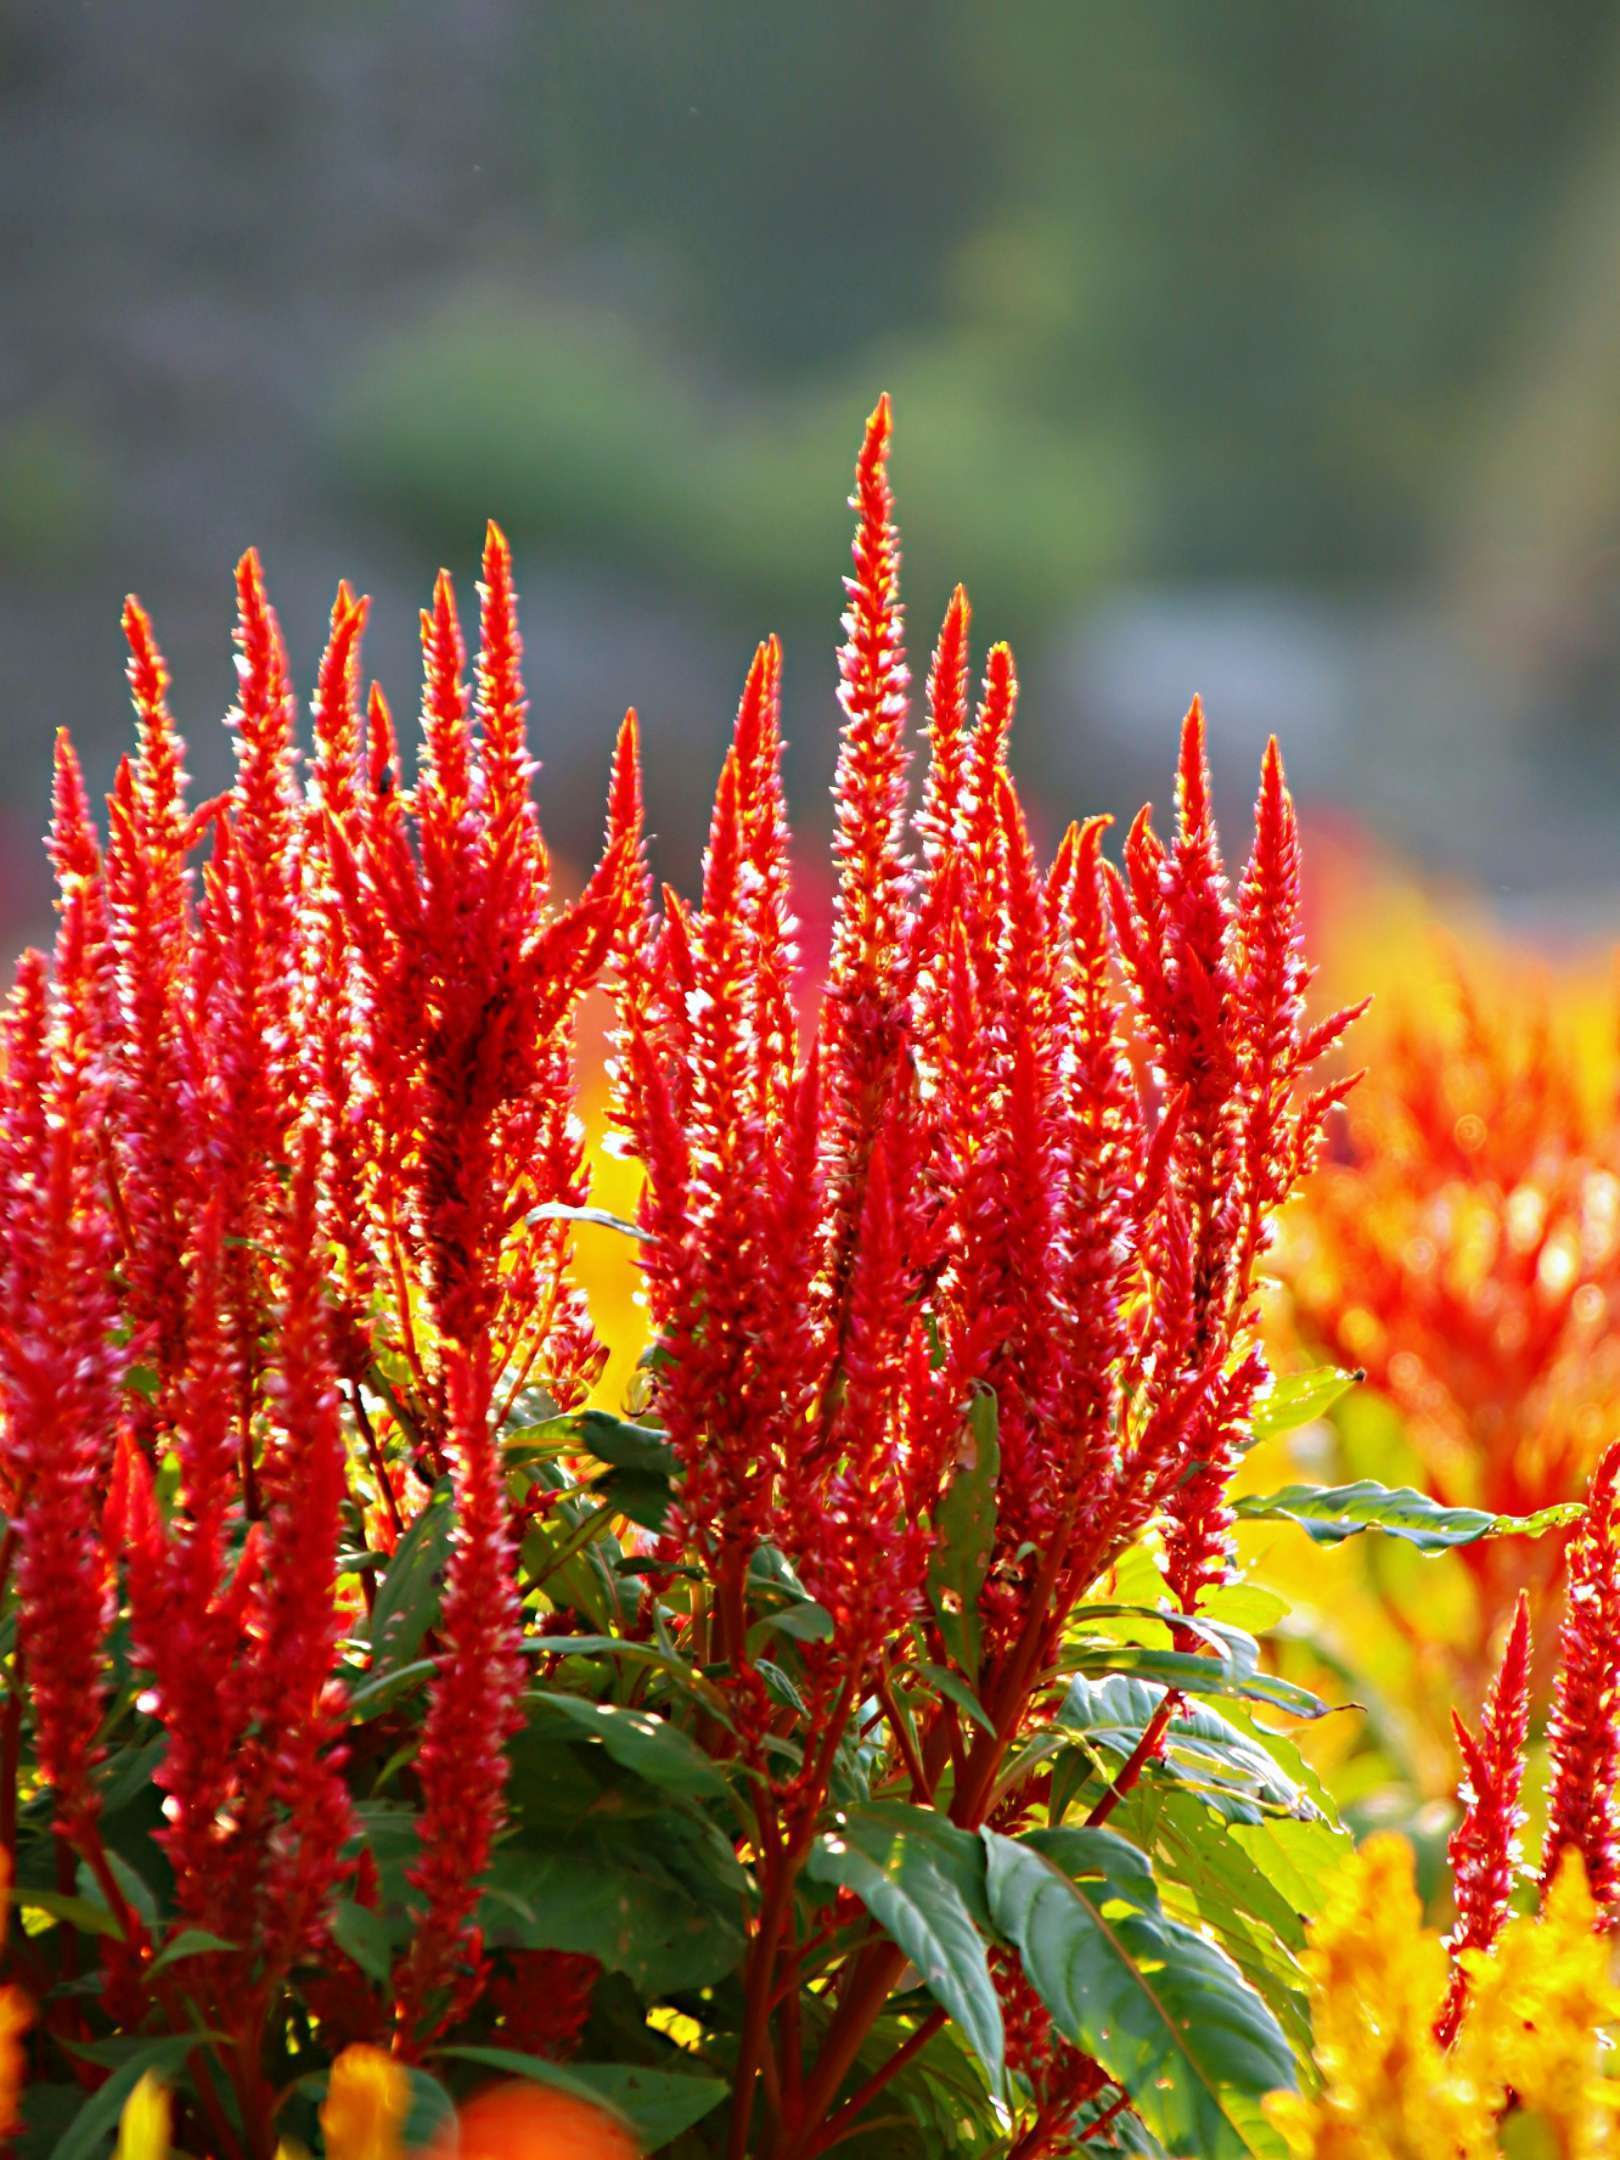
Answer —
297 1704
58 1369
864 1014
1484 1847
1583 1735
472 1713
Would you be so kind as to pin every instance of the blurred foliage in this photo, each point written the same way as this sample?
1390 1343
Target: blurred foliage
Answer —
49 486
1170 289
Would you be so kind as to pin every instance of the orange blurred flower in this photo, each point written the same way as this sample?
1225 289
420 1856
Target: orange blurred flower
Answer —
1465 1248
531 2122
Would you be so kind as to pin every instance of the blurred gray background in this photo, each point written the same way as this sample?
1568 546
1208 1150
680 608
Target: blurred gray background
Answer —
1264 350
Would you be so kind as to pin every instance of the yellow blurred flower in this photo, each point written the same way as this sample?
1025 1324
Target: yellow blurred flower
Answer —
367 2100
1527 2060
1538 2000
1377 1977
144 2126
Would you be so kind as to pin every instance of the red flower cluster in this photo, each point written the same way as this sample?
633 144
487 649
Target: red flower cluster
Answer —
268 1154
956 1187
1583 1747
958 1184
953 1296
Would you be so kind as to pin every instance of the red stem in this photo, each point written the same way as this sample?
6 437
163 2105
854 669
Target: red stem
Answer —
839 2125
1137 1761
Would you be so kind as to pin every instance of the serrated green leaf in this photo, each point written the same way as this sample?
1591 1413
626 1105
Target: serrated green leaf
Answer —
919 1878
966 1537
1166 2013
650 1746
1300 1400
1331 1513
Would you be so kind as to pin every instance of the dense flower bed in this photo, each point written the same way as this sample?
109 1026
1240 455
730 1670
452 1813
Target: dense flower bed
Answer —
858 1743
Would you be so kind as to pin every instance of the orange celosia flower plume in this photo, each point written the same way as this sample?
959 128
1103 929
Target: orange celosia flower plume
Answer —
1465 1252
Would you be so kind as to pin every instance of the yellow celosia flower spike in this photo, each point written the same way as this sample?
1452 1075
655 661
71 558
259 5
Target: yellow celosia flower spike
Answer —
1377 1977
1540 2000
366 2103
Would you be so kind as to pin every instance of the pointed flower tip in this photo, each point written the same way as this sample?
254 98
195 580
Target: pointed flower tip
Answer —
349 608
872 464
1192 775
1000 669
250 590
624 781
497 548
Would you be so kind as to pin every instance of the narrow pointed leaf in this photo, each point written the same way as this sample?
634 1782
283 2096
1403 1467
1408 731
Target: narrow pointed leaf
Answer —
1329 1514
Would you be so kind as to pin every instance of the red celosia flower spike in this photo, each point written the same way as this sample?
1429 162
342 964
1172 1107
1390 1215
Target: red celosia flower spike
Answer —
939 818
1484 1847
473 1711
58 1370
297 1703
1583 1736
264 801
864 1015
503 714
160 762
337 767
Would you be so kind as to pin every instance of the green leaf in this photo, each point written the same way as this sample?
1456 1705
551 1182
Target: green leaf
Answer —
956 1688
1331 1513
921 1879
559 1211
190 1942
1209 1877
608 1439
407 1598
1301 1399
1202 1748
650 1746
87 1914
96 2123
1237 1672
657 2105
792 1610
658 1900
362 1935
967 1535
1166 2013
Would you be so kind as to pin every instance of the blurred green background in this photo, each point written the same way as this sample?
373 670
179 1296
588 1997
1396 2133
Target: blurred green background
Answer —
1267 350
